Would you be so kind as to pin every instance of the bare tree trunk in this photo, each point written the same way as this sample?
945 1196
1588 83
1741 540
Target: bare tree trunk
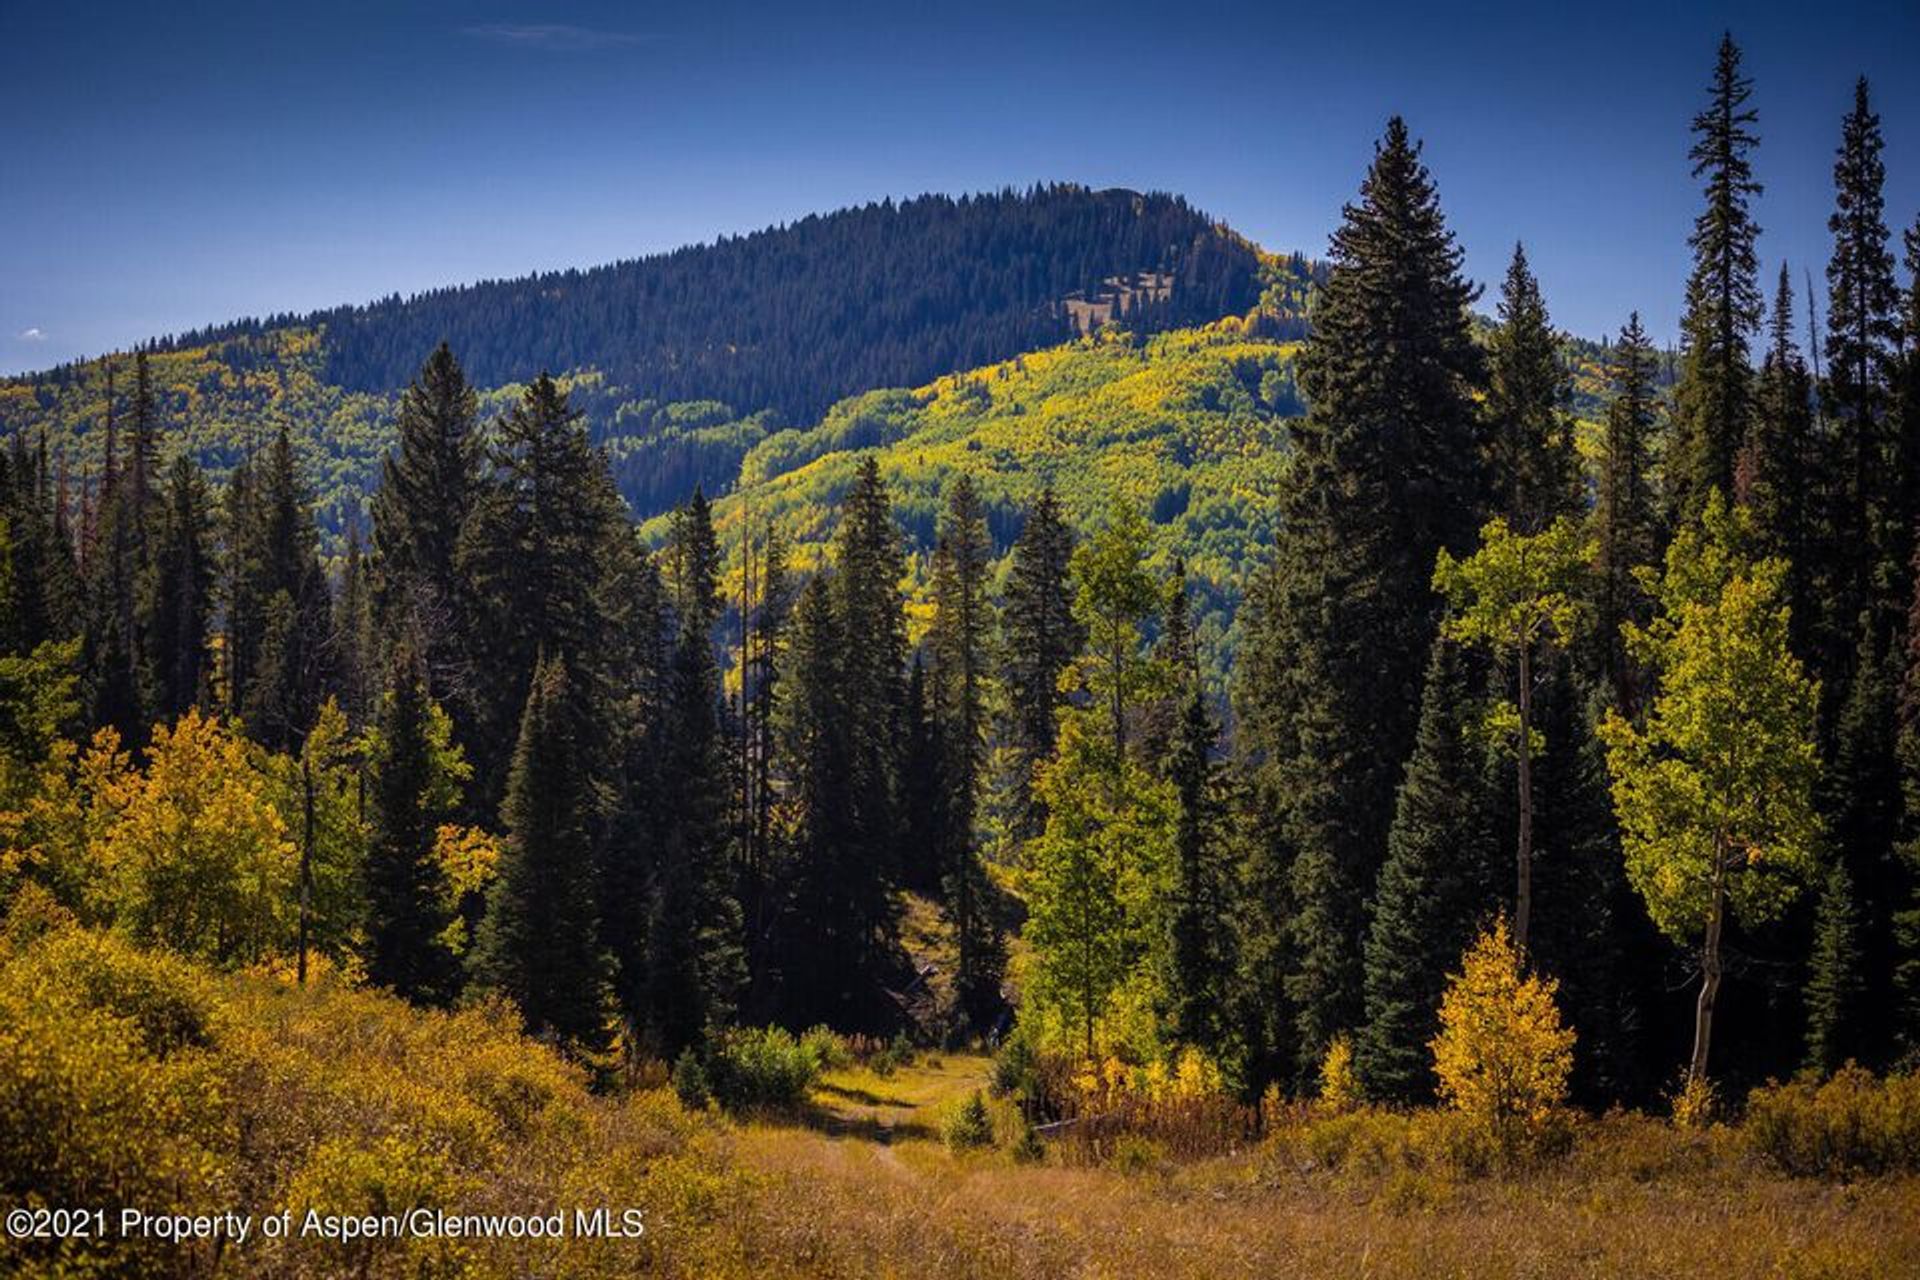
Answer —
1710 972
1523 859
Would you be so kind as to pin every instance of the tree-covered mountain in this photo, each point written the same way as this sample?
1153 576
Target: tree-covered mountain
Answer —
794 317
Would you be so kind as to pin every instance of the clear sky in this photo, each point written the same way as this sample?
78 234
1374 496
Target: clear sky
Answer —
168 165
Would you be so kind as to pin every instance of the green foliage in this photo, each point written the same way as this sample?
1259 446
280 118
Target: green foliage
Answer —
1714 794
969 1127
762 1069
1386 473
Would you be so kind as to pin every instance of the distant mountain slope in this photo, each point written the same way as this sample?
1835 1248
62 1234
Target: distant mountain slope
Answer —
795 317
1188 425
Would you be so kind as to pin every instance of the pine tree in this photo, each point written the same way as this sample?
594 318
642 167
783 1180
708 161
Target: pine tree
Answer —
962 625
1834 979
1200 975
1860 801
1386 472
538 944
45 591
869 564
1532 462
408 906
180 587
824 945
1177 671
1712 403
429 485
1863 338
1040 640
530 559
695 966
277 605
1438 884
355 650
1783 468
1626 523
1906 919
761 665
1903 515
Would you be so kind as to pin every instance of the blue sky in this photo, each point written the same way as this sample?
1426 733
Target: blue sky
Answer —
171 165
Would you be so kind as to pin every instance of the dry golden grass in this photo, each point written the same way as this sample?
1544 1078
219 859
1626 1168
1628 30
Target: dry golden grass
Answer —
1636 1199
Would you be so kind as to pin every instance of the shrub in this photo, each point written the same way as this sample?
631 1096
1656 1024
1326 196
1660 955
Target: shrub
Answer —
1695 1103
1339 1087
970 1127
829 1048
690 1081
1013 1066
1502 1055
1851 1124
762 1068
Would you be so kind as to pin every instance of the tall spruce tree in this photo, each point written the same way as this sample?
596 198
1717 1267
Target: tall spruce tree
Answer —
1626 515
1723 307
1386 472
180 588
429 485
961 632
530 558
1782 469
1531 458
1863 338
696 966
1906 920
356 657
1040 640
408 903
1441 879
1199 981
1860 800
869 565
278 610
539 944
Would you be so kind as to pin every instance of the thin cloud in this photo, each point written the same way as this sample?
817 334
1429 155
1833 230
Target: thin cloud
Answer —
35 334
554 37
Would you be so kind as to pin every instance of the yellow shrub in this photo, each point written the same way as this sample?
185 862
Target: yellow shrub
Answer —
1502 1055
1339 1086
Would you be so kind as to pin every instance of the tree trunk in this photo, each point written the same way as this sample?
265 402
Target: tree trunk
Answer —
1710 973
1523 858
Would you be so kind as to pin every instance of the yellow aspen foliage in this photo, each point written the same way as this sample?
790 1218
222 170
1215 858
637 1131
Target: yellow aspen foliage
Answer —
195 858
1339 1086
1502 1055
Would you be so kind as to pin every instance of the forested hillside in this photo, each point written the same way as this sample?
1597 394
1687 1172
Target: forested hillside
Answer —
794 317
1187 427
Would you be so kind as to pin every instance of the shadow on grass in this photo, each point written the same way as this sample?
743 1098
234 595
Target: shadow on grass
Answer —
866 1097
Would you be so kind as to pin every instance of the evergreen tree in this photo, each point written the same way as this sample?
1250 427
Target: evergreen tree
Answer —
1626 523
1723 308
1833 992
1903 515
45 586
761 662
1200 975
695 967
869 564
278 623
1860 801
1040 640
824 944
180 586
530 559
1439 882
1783 468
1532 462
1177 671
408 907
429 485
1906 920
1386 472
539 944
355 649
1863 337
962 626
